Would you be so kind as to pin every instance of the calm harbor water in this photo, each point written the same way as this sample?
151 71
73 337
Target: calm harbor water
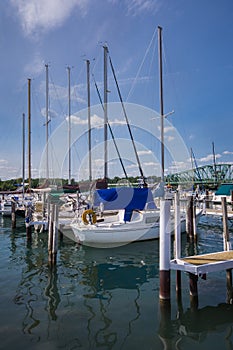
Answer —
106 298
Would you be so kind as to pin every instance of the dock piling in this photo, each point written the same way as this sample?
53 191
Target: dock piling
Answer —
226 236
13 214
227 246
165 245
189 218
53 234
177 242
193 290
28 218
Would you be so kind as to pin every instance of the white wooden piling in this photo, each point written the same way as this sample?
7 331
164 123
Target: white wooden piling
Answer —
177 243
165 249
194 221
177 226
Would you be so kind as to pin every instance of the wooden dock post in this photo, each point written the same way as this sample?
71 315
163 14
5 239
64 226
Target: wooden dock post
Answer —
227 246
53 234
189 218
28 218
44 204
207 199
13 214
165 248
193 291
50 232
226 237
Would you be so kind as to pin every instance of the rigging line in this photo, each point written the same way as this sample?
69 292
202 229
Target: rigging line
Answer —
127 121
96 61
56 94
76 86
110 129
139 69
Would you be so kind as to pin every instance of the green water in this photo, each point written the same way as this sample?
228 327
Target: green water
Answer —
106 298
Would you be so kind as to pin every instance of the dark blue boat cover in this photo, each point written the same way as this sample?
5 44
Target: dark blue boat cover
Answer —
128 198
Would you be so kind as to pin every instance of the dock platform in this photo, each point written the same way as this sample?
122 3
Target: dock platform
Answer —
218 212
202 264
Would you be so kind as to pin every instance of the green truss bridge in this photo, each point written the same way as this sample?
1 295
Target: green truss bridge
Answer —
211 175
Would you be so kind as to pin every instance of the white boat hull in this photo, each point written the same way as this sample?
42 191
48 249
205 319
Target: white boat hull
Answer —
114 234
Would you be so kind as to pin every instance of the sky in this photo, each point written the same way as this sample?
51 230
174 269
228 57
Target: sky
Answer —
197 83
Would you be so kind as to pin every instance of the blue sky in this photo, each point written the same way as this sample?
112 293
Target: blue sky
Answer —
197 62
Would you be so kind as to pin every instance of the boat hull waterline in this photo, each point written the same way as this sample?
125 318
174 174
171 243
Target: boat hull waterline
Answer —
114 234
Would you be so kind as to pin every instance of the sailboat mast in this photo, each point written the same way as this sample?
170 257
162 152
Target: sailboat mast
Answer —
47 120
23 154
105 113
29 134
161 100
214 161
69 129
89 117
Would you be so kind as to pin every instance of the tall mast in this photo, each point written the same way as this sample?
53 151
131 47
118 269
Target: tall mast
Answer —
23 151
161 101
69 128
105 113
89 117
29 134
214 161
47 120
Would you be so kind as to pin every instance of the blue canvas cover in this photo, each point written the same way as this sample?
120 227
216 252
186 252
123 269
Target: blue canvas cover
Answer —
128 198
224 190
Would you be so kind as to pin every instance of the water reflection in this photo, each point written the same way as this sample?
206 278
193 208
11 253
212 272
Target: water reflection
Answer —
51 292
112 281
196 326
38 280
107 298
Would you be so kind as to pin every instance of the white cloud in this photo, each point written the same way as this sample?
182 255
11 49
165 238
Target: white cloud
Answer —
135 7
95 120
77 120
169 138
57 92
209 158
117 121
35 67
168 128
145 152
132 166
52 113
150 164
227 152
43 15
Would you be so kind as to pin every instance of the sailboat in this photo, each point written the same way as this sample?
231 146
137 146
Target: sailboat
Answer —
136 219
